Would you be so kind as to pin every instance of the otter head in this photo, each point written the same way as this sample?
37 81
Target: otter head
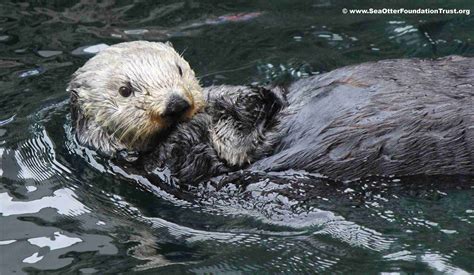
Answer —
129 93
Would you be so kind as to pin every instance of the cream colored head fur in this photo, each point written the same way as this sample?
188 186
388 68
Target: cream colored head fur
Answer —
153 71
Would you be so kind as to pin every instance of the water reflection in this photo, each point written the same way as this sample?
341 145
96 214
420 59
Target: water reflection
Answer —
269 215
63 200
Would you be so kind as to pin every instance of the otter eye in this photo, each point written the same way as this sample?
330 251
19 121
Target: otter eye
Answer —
125 91
180 70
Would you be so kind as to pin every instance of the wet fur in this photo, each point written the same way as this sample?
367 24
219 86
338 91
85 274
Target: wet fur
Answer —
393 117
109 122
235 129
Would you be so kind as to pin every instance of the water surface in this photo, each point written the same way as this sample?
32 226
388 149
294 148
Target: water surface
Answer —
63 209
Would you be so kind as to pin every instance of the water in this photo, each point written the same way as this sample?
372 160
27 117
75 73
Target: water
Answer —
64 209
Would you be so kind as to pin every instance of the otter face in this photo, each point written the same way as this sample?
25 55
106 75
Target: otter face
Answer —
135 90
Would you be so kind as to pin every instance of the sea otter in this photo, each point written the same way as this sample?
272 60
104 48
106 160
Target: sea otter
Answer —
392 117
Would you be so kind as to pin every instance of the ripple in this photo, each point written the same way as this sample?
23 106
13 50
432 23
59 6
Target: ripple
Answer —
48 53
327 223
37 160
7 242
90 50
33 258
31 72
7 121
405 34
57 241
441 264
63 200
356 235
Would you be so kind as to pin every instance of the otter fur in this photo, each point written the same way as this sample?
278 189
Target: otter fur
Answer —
119 97
393 117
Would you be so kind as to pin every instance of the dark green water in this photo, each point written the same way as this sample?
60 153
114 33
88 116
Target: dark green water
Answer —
65 210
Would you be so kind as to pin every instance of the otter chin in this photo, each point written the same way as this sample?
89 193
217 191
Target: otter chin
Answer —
131 92
393 117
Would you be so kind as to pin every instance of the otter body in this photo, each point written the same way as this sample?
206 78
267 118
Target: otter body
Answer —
395 117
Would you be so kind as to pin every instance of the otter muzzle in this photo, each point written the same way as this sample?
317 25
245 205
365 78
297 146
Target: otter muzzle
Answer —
176 107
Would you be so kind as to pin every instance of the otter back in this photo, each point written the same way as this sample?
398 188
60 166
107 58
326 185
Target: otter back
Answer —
393 117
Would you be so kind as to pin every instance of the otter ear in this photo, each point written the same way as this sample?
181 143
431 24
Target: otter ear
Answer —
169 44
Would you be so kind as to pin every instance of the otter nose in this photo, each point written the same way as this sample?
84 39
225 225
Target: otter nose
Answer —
176 107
